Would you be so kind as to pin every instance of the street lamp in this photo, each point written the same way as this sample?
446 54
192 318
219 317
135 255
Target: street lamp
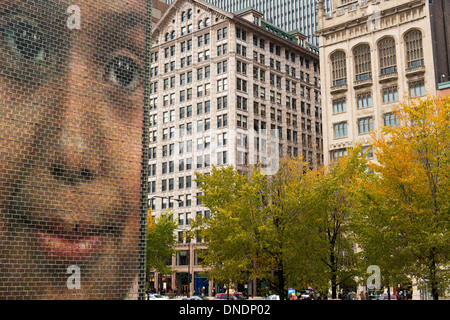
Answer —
162 197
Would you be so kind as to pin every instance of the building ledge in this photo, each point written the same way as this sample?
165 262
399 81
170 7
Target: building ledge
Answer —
388 77
362 83
338 88
415 71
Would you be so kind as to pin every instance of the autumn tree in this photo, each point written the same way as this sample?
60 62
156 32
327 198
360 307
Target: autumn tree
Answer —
326 211
251 219
405 204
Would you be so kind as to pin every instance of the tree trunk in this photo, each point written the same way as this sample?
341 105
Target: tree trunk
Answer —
434 281
281 281
333 275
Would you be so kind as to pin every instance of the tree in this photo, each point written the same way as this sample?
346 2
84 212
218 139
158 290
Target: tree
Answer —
326 208
374 230
160 242
228 246
407 199
251 219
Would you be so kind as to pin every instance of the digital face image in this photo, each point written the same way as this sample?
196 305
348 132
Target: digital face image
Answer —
71 126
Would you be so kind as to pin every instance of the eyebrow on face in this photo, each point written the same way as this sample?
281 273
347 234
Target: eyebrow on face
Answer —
117 24
125 22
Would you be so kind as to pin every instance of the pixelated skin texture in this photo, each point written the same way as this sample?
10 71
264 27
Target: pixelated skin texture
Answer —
71 119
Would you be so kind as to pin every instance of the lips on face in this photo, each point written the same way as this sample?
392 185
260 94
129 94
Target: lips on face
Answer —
71 117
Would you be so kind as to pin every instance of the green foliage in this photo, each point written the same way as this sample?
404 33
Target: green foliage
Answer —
160 242
298 228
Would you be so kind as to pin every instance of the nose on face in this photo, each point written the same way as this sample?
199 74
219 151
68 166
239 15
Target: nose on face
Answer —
79 141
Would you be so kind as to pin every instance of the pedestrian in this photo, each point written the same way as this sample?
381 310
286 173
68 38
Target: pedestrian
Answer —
409 295
292 296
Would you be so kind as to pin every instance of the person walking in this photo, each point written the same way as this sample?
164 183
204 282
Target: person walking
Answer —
292 296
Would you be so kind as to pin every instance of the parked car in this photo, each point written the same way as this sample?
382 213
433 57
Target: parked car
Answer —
197 298
239 296
273 297
386 297
229 296
156 297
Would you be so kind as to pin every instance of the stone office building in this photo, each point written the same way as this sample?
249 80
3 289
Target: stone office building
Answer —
226 89
373 54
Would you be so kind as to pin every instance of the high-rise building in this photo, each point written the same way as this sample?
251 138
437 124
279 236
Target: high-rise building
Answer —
226 89
291 15
373 54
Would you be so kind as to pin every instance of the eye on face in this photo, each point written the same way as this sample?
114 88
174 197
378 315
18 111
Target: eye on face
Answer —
26 40
124 72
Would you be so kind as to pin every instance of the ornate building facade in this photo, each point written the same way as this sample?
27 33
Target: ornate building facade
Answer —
374 54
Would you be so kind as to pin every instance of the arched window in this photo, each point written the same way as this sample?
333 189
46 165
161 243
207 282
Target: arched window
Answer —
388 57
189 14
414 48
363 64
167 37
172 35
207 22
183 16
339 68
200 24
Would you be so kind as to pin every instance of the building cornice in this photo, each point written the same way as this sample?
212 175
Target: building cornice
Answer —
362 19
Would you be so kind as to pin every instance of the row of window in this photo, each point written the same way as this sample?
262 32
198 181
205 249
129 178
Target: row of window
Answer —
387 55
343 152
365 125
276 49
389 95
203 125
186 46
204 90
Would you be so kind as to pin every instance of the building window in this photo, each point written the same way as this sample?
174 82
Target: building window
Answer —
365 125
390 94
339 68
364 100
222 121
338 153
221 158
417 88
390 120
368 151
222 85
414 48
388 57
363 66
222 67
340 130
222 102
339 105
